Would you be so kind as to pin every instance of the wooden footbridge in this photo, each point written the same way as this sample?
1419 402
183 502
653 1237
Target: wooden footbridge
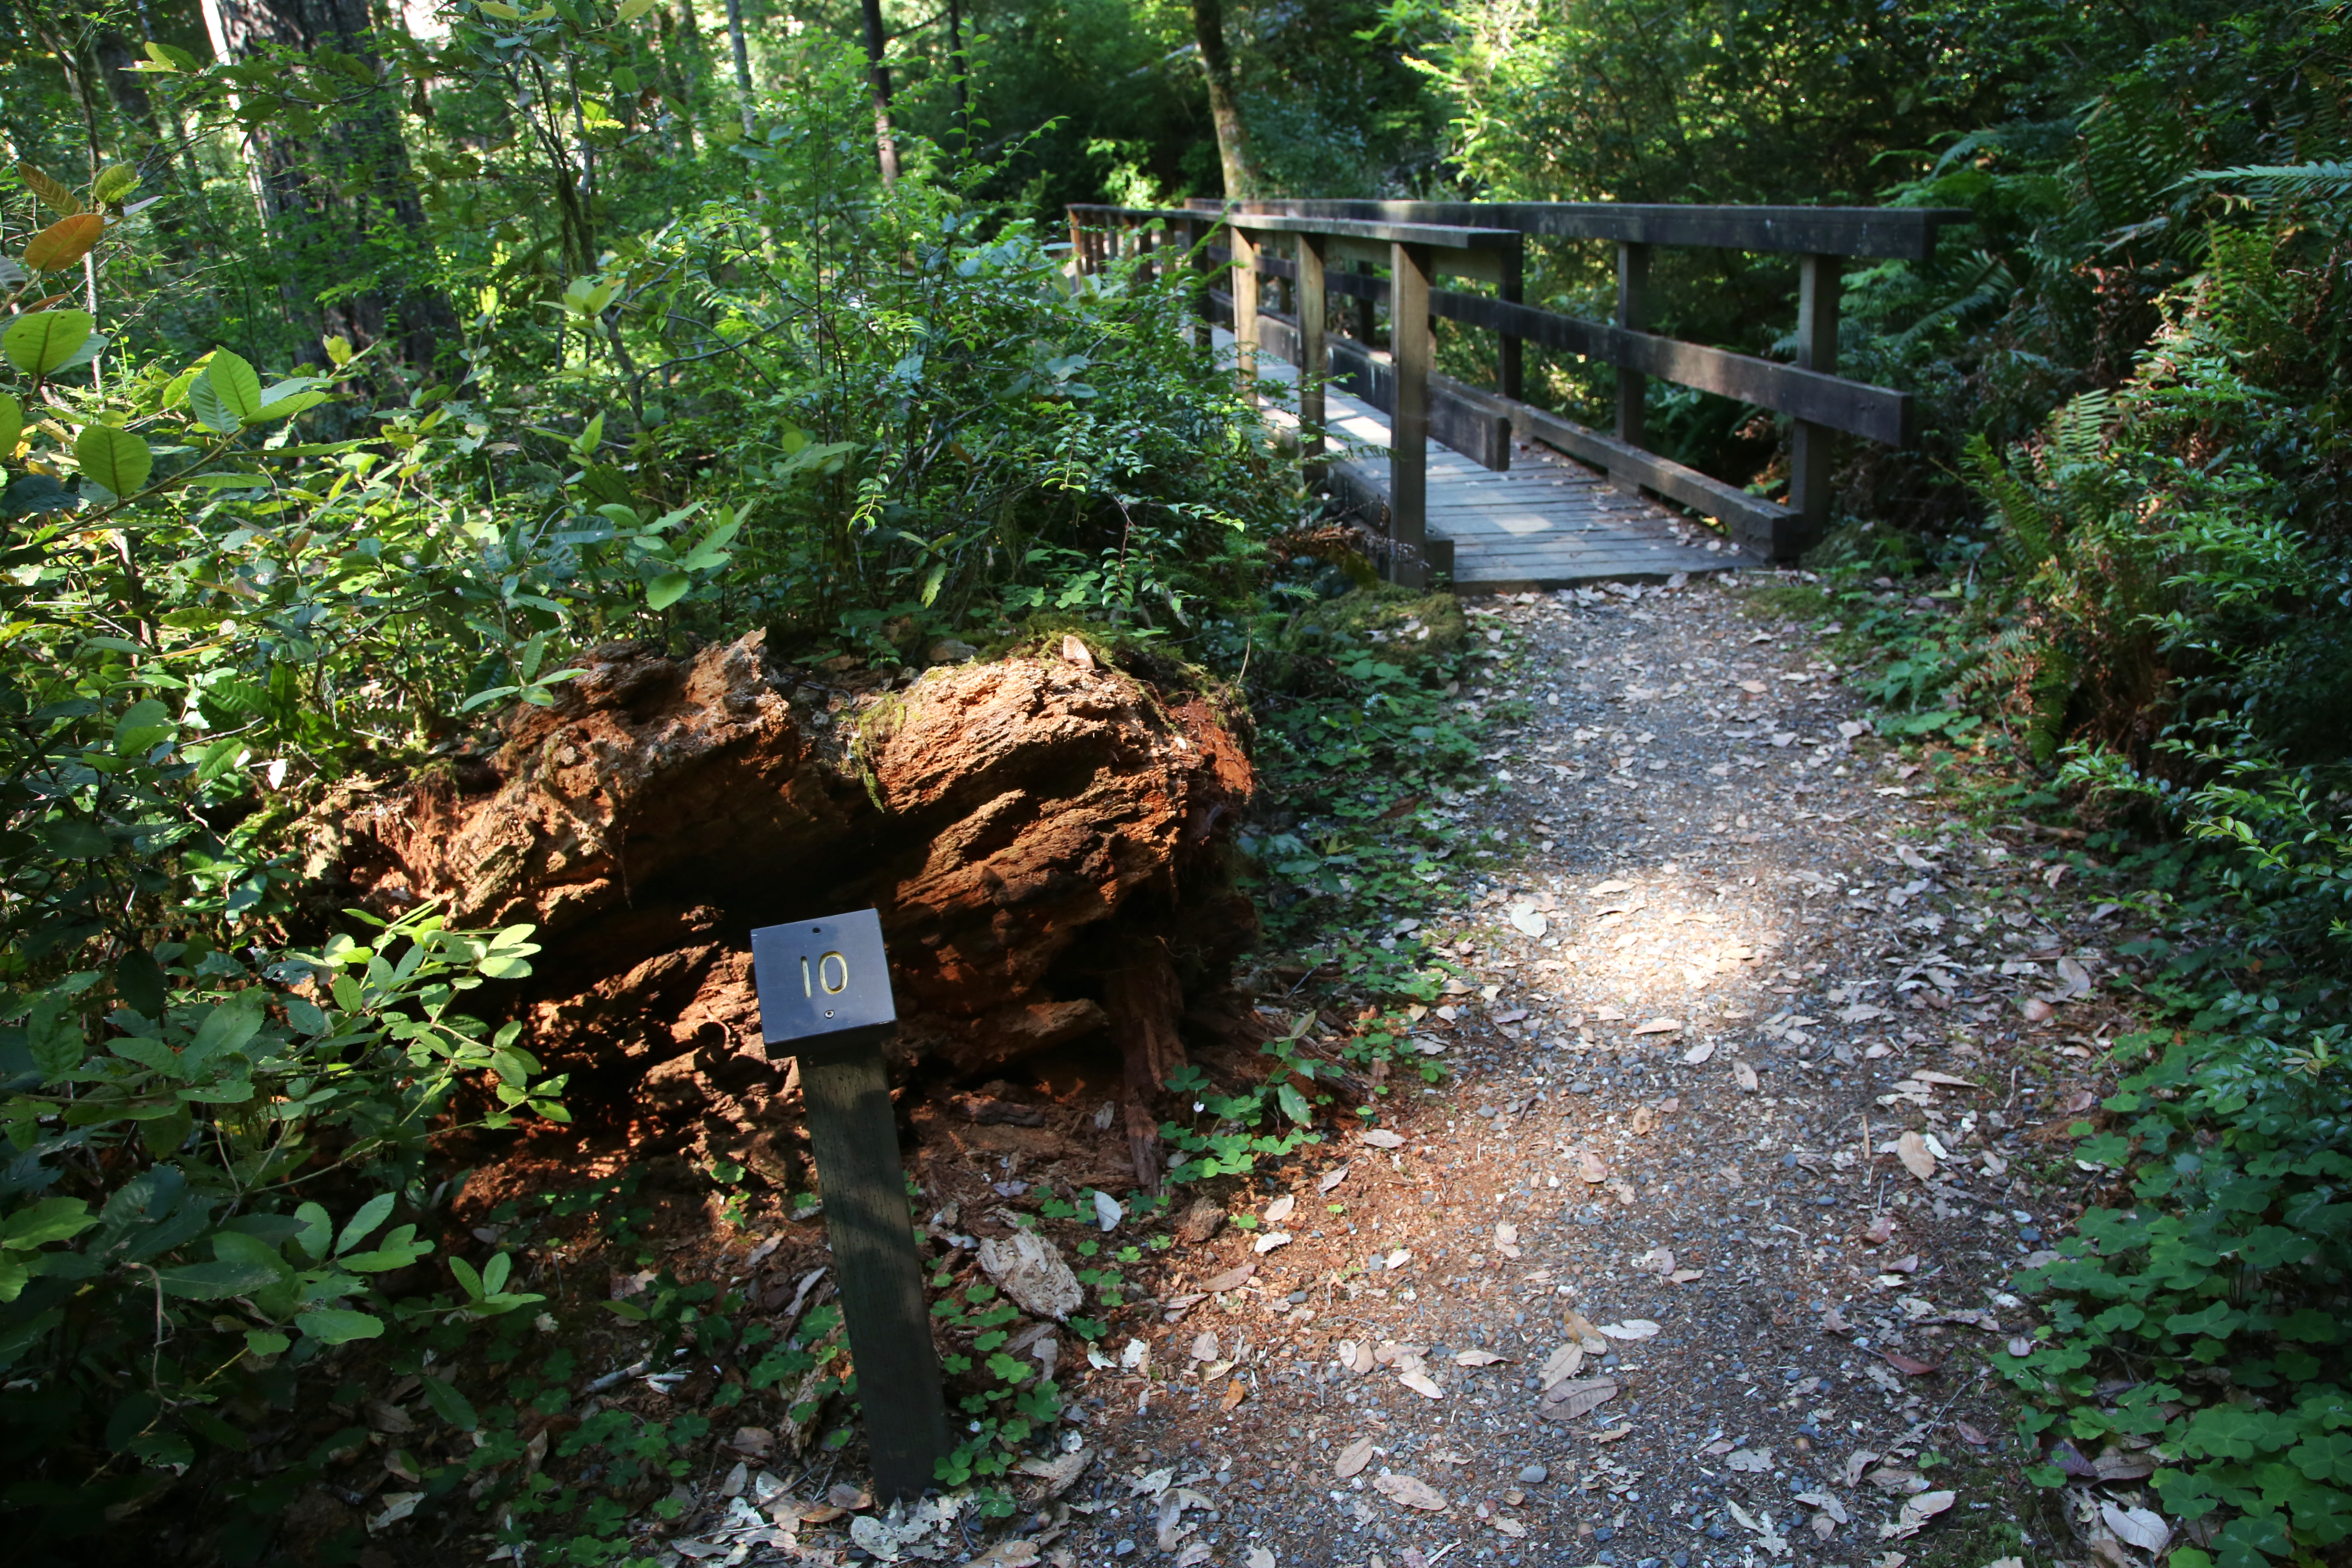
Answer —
1474 481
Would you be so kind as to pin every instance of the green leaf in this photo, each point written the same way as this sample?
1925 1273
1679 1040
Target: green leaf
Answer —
53 1030
142 725
42 341
667 590
234 383
139 982
113 183
51 1219
372 1213
115 458
206 404
12 425
212 1282
628 1309
449 1404
266 1342
318 1229
338 1325
287 407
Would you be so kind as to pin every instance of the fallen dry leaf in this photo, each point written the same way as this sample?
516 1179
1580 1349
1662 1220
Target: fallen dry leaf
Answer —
1331 1179
1476 1358
1880 1231
1564 1362
1916 1512
1279 1210
1587 1335
1699 1053
1230 1279
1353 1459
1578 1396
2139 1527
1856 1462
1592 1167
2036 1010
1421 1382
1644 1119
1612 1433
1745 1077
1235 1392
1511 1527
1908 1365
1410 1492
1631 1329
1204 1346
1075 652
1381 1138
1912 1150
1660 1026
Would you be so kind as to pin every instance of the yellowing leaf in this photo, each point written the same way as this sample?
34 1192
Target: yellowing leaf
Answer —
64 242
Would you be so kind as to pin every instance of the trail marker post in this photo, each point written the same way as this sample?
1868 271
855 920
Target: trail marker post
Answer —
824 997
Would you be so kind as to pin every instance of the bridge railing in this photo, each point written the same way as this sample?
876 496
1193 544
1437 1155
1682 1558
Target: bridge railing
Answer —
1340 249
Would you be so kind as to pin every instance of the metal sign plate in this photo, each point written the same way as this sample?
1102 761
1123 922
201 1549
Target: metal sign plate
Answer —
823 982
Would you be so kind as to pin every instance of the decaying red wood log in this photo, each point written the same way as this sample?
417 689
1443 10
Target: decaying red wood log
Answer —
1045 836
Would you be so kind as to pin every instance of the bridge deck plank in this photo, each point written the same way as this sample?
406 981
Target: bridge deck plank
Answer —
1546 521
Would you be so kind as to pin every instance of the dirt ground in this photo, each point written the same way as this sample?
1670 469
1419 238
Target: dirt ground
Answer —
1698 1254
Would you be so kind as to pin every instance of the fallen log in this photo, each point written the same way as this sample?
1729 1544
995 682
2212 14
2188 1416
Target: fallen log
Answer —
1045 836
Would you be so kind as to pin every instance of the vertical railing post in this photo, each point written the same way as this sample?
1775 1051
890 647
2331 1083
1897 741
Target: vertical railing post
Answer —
1363 308
1809 447
1408 353
1632 314
1311 362
1245 286
1510 368
1078 243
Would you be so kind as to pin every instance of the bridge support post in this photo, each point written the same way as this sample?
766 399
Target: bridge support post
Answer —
1245 285
1409 352
1313 364
1632 314
1510 362
1809 449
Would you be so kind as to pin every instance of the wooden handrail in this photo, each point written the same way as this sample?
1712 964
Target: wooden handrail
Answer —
1484 240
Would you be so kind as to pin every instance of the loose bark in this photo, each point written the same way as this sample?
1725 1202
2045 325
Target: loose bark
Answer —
1045 844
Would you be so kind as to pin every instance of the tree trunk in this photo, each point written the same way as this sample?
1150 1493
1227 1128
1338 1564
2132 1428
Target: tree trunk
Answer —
877 75
1047 843
743 66
328 196
960 109
1234 154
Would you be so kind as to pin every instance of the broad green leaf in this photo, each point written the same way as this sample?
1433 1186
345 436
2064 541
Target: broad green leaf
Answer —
667 590
628 1309
372 1213
231 1247
317 1230
73 838
51 1219
38 344
225 1028
213 1281
115 458
54 1032
287 406
12 425
495 1273
449 1404
266 1342
114 183
169 58
501 10
467 1278
139 982
64 242
234 383
337 1325
632 10
143 724
92 347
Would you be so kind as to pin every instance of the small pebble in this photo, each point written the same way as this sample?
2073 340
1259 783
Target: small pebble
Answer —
1124 1549
1535 1474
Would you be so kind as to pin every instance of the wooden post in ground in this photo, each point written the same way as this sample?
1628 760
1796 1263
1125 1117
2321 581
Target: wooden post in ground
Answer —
1313 364
1244 286
1510 370
1409 352
825 996
1809 449
1632 314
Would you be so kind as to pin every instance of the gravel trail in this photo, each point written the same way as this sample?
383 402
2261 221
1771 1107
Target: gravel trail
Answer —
1699 1254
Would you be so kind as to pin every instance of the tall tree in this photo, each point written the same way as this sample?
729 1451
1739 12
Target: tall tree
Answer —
742 65
1234 154
332 186
877 75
